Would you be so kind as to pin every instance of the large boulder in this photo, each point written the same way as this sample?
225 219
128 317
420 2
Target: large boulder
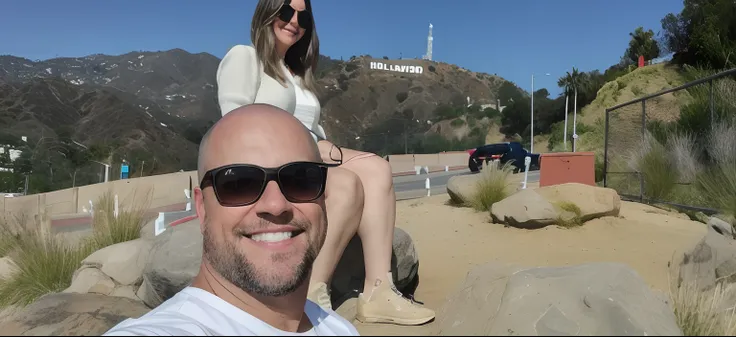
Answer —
67 314
349 276
173 262
712 259
589 299
461 188
177 253
544 206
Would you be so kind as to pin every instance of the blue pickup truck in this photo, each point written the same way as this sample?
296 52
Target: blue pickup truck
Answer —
503 152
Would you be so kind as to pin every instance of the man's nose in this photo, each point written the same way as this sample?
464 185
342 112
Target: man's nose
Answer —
273 201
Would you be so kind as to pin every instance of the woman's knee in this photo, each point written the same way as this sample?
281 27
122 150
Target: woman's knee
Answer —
344 187
374 169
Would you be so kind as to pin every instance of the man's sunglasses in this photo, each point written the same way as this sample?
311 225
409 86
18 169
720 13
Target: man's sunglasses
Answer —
286 12
239 185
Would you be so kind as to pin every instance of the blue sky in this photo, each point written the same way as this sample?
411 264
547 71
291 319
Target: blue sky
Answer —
510 38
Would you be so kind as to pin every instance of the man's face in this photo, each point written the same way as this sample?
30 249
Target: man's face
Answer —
268 247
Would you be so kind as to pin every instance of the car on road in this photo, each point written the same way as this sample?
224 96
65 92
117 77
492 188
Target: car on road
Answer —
512 152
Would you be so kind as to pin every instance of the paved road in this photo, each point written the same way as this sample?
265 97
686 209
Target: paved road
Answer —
409 187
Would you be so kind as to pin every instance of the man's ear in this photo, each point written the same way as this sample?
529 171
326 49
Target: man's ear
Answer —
199 207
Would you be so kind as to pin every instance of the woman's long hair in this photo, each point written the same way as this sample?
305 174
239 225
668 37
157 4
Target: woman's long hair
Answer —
301 58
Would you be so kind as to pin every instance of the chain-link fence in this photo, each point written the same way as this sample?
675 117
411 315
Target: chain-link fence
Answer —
664 147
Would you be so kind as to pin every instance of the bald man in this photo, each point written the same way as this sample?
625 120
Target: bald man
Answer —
262 215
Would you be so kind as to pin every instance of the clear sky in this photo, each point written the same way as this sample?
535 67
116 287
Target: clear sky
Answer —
510 38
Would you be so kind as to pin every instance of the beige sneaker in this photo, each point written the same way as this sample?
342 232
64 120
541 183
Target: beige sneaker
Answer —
319 293
386 305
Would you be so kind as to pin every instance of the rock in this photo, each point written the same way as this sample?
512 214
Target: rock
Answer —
722 227
713 258
125 291
544 206
72 315
349 276
524 209
91 280
177 254
588 299
594 202
7 267
173 261
461 188
123 262
143 292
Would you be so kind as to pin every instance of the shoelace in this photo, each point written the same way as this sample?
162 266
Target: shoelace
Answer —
409 297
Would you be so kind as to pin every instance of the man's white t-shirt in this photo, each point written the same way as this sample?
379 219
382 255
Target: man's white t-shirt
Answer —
196 312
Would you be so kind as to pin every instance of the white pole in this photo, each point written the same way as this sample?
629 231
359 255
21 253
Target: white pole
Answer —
447 168
527 162
531 147
426 185
575 122
564 136
116 210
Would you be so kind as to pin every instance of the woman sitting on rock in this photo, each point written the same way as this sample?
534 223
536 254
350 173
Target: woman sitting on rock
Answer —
278 69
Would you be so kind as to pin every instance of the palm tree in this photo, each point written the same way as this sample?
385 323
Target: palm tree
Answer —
570 83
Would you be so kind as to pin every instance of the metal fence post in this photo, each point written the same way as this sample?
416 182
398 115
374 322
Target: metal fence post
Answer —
712 108
605 151
643 139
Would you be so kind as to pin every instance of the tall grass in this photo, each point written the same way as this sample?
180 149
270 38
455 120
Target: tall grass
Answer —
109 229
718 182
494 185
46 263
652 160
703 313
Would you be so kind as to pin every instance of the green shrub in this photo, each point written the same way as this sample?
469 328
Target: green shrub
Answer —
432 69
652 160
44 264
701 313
457 122
571 215
718 183
494 185
108 229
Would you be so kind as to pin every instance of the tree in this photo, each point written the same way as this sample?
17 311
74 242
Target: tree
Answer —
77 158
508 92
642 43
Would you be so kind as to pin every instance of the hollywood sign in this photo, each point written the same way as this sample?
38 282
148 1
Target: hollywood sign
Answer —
399 68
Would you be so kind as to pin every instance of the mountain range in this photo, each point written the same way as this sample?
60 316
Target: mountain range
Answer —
158 104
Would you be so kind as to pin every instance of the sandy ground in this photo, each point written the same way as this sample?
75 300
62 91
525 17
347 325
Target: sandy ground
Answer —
450 241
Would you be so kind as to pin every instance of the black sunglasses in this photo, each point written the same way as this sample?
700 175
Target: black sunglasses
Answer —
239 185
286 12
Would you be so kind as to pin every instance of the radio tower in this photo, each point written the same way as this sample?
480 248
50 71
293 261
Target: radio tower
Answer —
428 56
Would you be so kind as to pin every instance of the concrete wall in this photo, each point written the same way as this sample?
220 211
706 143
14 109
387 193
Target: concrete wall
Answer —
168 189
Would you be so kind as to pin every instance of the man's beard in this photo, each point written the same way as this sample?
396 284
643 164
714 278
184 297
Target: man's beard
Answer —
235 267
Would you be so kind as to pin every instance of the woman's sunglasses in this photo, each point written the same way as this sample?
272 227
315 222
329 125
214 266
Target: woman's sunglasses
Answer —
304 18
239 185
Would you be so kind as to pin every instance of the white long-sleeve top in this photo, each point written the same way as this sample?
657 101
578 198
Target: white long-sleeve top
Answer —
242 81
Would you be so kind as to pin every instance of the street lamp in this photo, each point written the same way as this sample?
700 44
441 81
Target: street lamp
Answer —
532 113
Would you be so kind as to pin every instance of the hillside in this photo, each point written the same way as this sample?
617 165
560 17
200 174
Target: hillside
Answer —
157 105
357 100
48 107
640 82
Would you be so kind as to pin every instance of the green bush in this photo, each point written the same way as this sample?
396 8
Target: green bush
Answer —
432 69
108 229
494 185
571 215
46 263
652 160
457 122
